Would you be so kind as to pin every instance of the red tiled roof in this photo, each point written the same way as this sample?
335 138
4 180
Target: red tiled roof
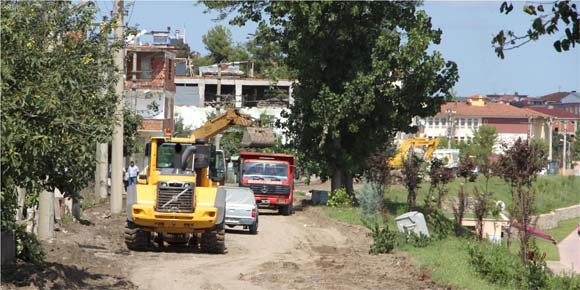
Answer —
496 110
554 112
554 97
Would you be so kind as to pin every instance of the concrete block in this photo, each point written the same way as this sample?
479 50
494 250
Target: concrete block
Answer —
319 197
8 251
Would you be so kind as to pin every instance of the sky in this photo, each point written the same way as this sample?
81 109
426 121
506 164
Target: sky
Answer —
535 69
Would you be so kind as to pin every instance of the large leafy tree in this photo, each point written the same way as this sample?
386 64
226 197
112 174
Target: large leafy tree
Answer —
57 98
218 41
363 73
555 18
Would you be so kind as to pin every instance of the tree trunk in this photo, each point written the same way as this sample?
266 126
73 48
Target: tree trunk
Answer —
337 180
342 179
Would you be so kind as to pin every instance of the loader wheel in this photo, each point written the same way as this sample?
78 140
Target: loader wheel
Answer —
136 238
213 241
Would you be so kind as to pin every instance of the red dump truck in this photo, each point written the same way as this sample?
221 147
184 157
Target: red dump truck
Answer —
271 177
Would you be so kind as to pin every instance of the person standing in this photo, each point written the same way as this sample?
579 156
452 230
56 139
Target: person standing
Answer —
133 172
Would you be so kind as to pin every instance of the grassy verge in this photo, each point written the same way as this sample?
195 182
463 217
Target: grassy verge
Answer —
551 191
447 259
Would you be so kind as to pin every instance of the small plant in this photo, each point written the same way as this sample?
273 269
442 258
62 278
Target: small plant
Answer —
417 240
495 264
439 224
412 177
29 248
536 270
459 210
568 281
340 198
439 176
384 240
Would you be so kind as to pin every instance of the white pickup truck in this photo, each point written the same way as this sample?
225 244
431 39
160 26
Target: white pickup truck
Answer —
241 208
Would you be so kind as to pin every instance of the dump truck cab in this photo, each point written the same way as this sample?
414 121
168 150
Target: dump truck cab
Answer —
177 198
271 177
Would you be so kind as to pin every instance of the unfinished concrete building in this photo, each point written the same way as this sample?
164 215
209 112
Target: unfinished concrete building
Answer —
150 82
229 83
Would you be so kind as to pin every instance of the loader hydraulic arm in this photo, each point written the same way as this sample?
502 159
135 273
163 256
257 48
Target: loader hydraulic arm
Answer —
220 123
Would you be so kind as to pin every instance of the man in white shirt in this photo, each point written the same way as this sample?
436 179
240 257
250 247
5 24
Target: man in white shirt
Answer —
133 172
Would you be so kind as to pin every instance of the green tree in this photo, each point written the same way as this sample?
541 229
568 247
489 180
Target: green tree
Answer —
482 144
57 101
218 41
575 147
363 73
563 14
267 56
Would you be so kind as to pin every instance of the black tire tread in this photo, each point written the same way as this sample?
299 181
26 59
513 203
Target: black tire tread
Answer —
136 238
213 241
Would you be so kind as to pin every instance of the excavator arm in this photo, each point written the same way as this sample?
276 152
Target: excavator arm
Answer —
222 122
252 137
408 145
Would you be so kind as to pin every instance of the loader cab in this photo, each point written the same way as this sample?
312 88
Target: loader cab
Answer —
177 157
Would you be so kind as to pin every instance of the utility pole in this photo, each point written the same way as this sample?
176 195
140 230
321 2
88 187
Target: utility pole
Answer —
102 167
117 150
449 127
550 139
564 149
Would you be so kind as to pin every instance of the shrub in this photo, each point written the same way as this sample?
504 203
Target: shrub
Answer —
340 198
369 203
495 264
417 240
28 247
384 240
439 224
567 281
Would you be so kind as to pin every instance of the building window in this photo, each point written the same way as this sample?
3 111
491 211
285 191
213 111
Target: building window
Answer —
462 123
475 123
443 122
430 120
469 124
436 122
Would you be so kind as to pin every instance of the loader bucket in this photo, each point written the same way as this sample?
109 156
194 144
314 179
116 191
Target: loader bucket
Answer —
258 137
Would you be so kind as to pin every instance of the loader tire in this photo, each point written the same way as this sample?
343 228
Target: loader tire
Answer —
213 241
136 238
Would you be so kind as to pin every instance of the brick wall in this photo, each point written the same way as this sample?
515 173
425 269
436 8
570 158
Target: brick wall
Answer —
152 125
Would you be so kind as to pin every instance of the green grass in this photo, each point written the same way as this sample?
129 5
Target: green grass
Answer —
563 229
350 215
448 261
551 192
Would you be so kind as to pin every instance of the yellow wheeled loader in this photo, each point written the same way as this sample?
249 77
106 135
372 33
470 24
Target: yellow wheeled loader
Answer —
178 200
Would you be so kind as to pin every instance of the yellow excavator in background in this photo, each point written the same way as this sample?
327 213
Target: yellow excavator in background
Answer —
419 146
179 200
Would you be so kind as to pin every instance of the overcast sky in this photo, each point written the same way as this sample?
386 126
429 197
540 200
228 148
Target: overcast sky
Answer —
535 69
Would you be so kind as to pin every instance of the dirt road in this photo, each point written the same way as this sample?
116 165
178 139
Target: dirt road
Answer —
303 251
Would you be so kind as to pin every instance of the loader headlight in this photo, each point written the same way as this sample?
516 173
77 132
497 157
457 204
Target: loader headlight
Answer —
163 184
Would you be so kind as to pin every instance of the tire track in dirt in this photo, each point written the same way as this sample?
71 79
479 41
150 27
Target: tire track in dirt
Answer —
304 251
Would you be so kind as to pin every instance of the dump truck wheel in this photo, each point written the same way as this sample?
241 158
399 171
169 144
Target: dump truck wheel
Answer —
136 238
213 241
286 210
